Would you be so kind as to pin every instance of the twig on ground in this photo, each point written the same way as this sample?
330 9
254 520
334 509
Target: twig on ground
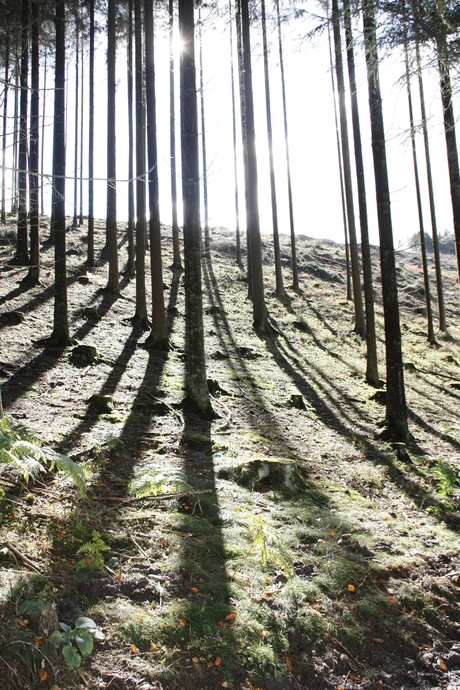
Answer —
20 555
346 651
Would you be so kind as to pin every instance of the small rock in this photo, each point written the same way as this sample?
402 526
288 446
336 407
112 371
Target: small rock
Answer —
102 404
297 401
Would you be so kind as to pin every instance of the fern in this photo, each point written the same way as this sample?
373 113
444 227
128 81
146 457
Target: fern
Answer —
268 543
148 480
21 450
446 477
92 552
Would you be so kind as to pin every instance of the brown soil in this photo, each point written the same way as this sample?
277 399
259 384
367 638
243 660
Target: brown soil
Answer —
373 601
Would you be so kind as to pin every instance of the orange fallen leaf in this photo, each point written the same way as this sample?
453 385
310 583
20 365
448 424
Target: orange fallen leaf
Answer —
194 590
43 675
331 532
288 662
195 660
230 617
54 687
182 622
153 647
219 624
117 576
351 588
264 633
134 649
23 622
217 661
378 640
229 626
392 600
441 664
39 640
425 645
224 684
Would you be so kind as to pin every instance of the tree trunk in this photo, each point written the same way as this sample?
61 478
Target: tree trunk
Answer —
197 387
434 228
360 326
14 171
33 275
42 156
203 136
396 411
22 255
451 141
276 238
75 159
140 316
130 267
172 142
339 157
235 163
259 308
372 372
5 120
295 270
60 335
426 280
82 122
90 257
111 222
159 335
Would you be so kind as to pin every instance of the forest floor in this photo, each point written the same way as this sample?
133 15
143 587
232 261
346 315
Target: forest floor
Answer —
283 544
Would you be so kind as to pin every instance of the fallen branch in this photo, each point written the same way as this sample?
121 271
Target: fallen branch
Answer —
346 651
20 555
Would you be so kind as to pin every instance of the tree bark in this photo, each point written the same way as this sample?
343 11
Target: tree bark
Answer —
22 253
42 156
235 163
372 372
268 110
60 335
5 120
426 280
203 136
259 309
82 122
140 315
451 141
396 410
111 222
33 275
360 326
130 266
197 387
159 335
14 172
90 257
295 270
77 84
176 265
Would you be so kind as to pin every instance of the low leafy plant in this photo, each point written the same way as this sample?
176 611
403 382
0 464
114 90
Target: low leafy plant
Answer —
81 637
149 481
92 553
446 477
19 448
267 543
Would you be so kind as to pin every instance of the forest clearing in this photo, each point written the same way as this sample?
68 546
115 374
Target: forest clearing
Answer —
284 543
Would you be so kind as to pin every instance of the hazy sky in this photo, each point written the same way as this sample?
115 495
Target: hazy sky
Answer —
312 139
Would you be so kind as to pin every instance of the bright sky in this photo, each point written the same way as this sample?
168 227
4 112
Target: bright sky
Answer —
312 138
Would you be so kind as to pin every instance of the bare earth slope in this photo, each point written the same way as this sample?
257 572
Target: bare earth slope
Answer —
292 548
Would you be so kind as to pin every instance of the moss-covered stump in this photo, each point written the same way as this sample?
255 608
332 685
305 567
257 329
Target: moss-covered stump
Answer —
82 355
273 473
100 404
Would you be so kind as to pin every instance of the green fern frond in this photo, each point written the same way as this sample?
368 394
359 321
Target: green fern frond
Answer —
148 480
69 467
268 543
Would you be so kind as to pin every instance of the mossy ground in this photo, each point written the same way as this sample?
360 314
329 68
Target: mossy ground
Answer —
351 581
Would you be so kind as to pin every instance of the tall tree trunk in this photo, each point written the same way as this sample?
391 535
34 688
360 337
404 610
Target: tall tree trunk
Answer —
434 228
130 266
60 335
203 135
259 309
22 255
5 120
42 156
140 316
235 163
82 122
295 270
197 387
396 410
451 141
426 280
111 222
372 372
339 158
90 257
77 84
360 326
33 275
159 335
276 238
176 265
239 44
14 171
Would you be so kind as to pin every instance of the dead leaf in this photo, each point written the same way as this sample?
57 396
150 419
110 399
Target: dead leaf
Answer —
23 622
39 640
210 664
182 622
230 617
195 660
219 624
134 649
54 687
378 640
351 588
224 684
288 662
194 590
153 647
43 675
217 661
441 664
392 600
